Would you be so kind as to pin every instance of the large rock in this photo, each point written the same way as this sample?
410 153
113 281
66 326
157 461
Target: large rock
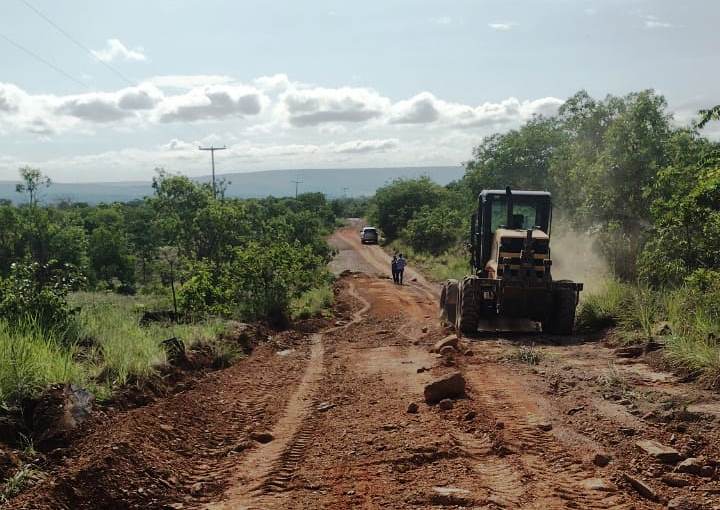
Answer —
448 386
659 451
684 503
695 466
450 340
640 487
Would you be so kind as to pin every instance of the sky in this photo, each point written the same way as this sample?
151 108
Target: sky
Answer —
100 90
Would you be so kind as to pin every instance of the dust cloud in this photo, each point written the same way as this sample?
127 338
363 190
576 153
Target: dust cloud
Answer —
575 258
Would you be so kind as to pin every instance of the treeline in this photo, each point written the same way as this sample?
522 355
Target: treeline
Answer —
618 168
244 259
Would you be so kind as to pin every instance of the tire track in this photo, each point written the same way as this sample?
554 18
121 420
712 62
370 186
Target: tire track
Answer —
271 464
537 471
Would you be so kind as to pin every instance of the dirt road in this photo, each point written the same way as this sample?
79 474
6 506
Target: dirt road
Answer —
322 421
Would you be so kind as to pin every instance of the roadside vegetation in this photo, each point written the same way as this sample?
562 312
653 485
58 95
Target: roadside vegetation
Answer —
625 179
77 280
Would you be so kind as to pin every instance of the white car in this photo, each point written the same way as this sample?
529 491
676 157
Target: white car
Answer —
369 235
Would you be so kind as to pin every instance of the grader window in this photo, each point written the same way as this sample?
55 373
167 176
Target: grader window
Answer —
525 214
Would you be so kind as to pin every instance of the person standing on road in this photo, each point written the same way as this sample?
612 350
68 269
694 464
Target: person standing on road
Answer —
400 268
394 269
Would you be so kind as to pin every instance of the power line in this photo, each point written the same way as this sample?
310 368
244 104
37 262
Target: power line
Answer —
212 158
78 43
297 182
46 62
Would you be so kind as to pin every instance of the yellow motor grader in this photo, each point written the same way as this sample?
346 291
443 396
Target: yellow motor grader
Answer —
511 286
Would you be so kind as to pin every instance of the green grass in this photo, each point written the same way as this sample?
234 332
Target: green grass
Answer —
693 316
16 483
528 354
313 303
106 349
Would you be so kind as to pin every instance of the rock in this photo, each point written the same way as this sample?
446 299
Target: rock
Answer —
197 489
325 406
545 426
262 437
499 425
448 386
659 451
631 351
166 427
674 481
470 416
710 488
447 350
413 408
695 466
683 503
601 459
640 487
450 496
61 409
176 506
422 369
424 329
445 404
662 328
627 431
598 484
451 340
469 353
575 410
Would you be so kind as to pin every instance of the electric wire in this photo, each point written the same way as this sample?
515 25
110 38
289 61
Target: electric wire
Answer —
44 61
78 43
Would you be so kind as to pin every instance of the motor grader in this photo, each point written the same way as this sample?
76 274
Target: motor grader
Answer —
511 286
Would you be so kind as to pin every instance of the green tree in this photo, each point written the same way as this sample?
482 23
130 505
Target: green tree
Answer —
32 182
397 203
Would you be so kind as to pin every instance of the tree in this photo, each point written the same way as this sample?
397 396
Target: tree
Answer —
397 203
708 115
32 182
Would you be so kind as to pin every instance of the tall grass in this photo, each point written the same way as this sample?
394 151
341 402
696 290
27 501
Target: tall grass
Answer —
692 314
30 361
312 303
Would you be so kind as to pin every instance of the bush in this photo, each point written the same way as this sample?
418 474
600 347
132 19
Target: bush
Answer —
434 230
603 309
312 303
36 294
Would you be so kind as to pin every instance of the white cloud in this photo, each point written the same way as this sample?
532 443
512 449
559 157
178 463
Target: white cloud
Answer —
115 50
315 106
211 102
420 109
274 83
188 81
442 20
502 27
652 22
365 146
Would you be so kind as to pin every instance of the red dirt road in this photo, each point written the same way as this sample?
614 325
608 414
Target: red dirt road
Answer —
335 406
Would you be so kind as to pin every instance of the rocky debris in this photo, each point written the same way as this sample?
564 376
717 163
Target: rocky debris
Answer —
413 408
422 369
470 416
450 340
601 459
684 503
325 406
167 428
695 466
61 409
447 350
640 487
499 425
8 462
448 386
674 480
424 329
575 410
263 437
663 453
445 404
469 352
599 484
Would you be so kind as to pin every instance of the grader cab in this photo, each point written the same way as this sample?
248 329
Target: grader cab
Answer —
511 280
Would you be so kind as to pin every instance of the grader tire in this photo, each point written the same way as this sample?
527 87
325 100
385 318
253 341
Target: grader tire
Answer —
563 316
448 301
468 310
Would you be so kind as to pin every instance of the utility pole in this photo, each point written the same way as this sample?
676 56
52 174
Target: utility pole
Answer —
212 158
297 182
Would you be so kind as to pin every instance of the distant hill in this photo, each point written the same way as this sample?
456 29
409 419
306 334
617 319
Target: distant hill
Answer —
338 182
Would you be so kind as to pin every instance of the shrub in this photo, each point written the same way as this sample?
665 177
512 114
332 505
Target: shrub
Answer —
312 303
